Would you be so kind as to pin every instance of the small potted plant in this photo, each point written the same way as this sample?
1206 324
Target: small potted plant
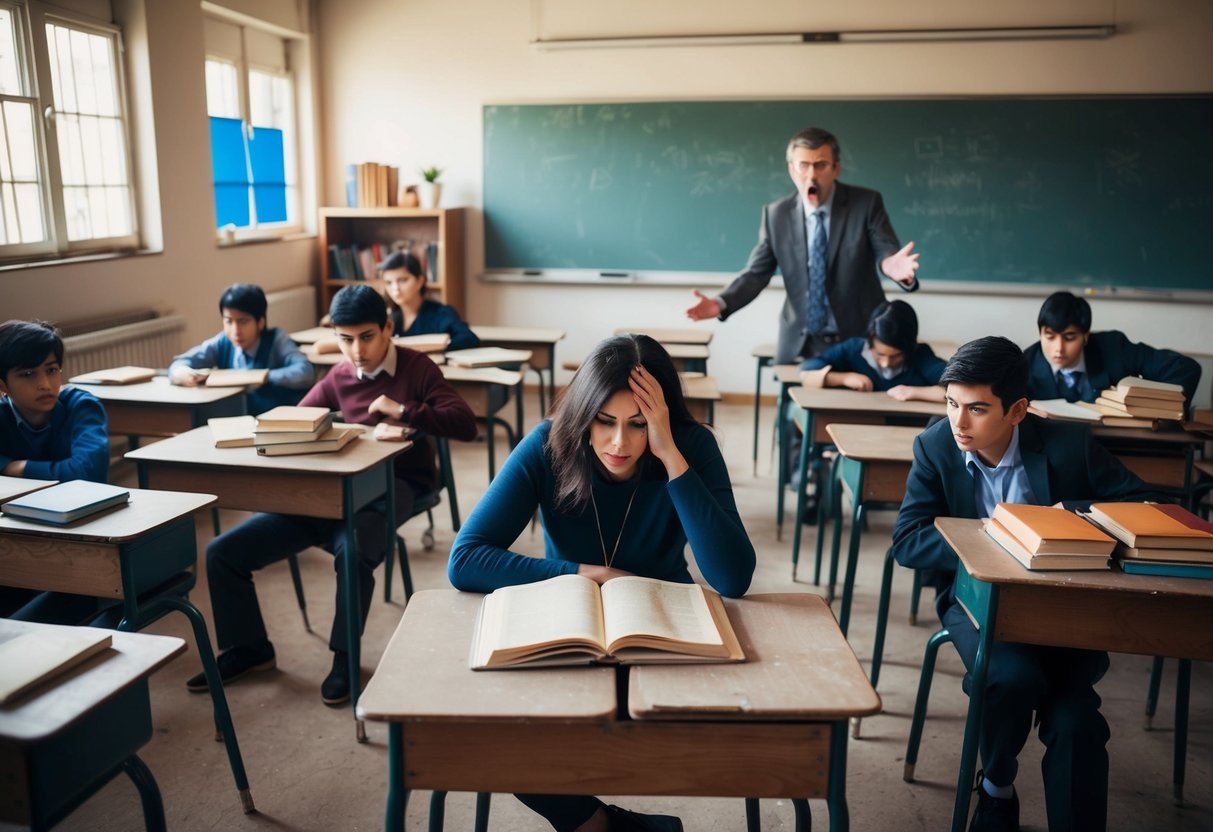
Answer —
431 188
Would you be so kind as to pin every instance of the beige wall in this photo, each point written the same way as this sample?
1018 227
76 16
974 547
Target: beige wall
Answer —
404 83
187 274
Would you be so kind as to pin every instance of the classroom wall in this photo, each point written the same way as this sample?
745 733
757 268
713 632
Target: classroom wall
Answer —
404 83
188 269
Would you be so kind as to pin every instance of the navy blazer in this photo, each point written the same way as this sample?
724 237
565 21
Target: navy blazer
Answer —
1063 462
1111 356
922 368
861 236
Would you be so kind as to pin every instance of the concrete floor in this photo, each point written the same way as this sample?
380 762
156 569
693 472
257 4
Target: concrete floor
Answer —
308 773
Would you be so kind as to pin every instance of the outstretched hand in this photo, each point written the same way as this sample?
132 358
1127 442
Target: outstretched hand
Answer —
650 398
703 308
902 265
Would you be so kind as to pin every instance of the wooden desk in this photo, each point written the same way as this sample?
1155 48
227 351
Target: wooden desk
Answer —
13 487
702 393
688 357
541 341
1160 457
820 407
63 741
1096 610
159 408
312 335
669 335
330 486
142 553
764 355
558 731
486 390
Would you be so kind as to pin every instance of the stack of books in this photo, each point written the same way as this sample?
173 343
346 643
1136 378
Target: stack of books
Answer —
1044 537
1139 402
289 430
1157 538
371 185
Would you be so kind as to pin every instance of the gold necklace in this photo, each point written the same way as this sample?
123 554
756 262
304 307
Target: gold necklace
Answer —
609 559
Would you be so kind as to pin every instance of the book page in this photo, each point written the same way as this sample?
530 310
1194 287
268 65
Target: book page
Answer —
559 609
645 606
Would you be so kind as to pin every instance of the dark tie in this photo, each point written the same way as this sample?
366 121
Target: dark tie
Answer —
1072 382
819 311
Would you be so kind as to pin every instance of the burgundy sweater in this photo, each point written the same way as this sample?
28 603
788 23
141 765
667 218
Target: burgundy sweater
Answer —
430 405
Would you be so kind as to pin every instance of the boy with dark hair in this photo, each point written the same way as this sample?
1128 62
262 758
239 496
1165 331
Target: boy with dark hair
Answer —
379 384
246 343
47 432
888 359
1070 362
989 451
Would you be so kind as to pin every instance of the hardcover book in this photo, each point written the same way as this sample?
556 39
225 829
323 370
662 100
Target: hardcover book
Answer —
1045 530
1168 569
1153 525
115 375
1062 409
66 502
1041 562
232 431
570 619
236 378
331 441
37 656
280 437
291 417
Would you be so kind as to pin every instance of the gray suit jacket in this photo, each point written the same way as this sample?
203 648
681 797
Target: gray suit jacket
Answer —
860 237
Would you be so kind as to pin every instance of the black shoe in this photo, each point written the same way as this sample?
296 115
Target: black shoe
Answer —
994 814
809 518
335 689
621 820
235 663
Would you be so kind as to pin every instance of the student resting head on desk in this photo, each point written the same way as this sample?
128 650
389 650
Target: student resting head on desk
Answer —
991 450
47 432
246 343
379 384
1071 362
624 479
888 359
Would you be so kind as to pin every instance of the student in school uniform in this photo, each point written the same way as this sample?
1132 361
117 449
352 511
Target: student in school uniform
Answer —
623 478
989 450
247 343
412 312
1073 363
47 432
889 359
381 385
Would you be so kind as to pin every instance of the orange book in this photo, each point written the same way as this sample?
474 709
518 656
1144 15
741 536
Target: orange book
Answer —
1045 530
1153 526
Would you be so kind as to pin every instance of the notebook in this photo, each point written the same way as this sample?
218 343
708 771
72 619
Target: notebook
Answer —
66 502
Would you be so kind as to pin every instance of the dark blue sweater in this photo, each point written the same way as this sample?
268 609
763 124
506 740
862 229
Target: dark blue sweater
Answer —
697 507
922 368
74 445
434 318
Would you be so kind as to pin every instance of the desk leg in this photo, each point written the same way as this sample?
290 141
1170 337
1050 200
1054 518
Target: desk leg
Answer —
397 794
802 487
853 474
834 494
840 816
781 430
1182 684
981 600
519 404
149 793
757 408
353 599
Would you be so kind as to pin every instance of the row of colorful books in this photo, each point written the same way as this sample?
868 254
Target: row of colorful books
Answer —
371 185
283 431
1144 538
359 261
1133 403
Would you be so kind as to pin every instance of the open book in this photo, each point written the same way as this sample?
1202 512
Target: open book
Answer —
571 620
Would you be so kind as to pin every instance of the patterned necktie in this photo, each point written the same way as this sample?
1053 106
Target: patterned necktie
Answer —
818 312
1072 383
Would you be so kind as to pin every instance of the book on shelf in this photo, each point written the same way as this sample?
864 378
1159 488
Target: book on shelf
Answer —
570 619
67 502
232 431
1047 530
431 342
38 656
1042 562
236 378
285 437
1168 569
331 441
431 262
1064 410
115 375
351 186
1153 526
286 417
371 185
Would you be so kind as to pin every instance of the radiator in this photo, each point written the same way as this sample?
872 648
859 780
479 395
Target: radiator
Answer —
292 309
151 343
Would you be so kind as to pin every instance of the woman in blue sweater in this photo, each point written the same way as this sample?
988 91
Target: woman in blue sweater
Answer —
623 478
889 359
411 312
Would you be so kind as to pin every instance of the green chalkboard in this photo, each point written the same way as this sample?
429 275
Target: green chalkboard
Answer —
1103 191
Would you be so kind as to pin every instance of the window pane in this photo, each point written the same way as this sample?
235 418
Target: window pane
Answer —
10 67
222 98
59 42
113 152
19 127
29 213
75 207
105 79
229 167
118 209
71 154
9 229
90 142
98 213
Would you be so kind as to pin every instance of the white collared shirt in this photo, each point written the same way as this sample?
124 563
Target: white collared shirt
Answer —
388 366
887 373
1006 482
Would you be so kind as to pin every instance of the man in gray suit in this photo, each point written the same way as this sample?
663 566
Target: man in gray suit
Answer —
831 242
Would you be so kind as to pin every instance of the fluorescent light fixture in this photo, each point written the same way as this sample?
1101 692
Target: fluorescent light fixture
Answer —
875 36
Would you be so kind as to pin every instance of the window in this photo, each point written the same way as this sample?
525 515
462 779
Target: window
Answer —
250 95
65 184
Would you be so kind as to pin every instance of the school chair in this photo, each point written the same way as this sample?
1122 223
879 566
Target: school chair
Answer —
426 503
764 356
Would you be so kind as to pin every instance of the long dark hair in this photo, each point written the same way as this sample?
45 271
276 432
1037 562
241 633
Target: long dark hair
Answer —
604 373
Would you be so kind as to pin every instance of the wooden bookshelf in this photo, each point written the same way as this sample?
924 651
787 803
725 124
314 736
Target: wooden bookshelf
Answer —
364 226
